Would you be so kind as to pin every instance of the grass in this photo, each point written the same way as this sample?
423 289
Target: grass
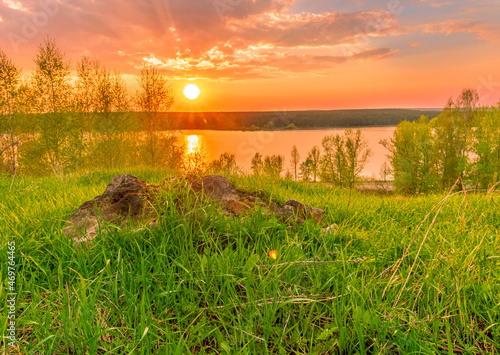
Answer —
201 282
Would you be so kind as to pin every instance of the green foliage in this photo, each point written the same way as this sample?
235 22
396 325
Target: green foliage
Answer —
51 80
306 169
153 96
314 158
345 157
273 165
55 120
269 126
9 118
412 157
295 161
453 132
486 147
49 125
113 143
226 164
270 165
460 146
449 143
194 162
356 153
333 163
257 165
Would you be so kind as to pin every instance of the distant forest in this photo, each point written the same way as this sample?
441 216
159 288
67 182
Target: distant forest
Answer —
295 119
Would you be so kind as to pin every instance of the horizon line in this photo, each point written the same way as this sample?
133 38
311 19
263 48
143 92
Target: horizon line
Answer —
433 109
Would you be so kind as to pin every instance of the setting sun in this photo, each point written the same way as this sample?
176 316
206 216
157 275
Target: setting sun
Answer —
191 91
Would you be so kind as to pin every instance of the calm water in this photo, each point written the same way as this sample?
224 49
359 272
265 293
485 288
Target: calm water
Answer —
245 144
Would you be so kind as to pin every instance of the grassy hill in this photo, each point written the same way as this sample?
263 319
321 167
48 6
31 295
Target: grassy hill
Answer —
400 275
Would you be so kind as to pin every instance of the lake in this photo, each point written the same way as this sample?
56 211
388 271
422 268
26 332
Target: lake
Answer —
245 144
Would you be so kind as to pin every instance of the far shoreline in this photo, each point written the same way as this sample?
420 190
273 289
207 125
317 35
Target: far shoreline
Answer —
293 120
287 130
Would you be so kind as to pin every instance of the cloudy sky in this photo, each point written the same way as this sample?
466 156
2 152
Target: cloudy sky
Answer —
277 54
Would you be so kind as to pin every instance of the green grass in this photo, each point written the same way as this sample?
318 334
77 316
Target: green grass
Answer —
202 283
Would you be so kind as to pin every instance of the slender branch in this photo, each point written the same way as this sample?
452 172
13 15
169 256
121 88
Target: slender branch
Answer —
8 146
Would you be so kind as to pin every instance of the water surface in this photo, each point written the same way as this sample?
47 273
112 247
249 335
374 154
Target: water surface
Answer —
245 144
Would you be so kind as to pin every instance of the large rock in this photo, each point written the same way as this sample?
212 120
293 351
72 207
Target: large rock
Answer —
239 203
216 187
233 201
127 198
124 198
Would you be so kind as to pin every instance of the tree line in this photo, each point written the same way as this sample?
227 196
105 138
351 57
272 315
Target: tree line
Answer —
268 121
461 144
51 124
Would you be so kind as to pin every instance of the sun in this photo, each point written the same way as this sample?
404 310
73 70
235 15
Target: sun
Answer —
191 91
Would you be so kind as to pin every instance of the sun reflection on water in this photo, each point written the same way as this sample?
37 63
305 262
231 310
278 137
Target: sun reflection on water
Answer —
193 144
195 158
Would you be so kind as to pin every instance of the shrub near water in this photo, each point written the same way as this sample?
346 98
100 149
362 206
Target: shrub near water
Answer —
201 282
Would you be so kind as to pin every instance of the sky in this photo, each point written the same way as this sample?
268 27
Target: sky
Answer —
275 55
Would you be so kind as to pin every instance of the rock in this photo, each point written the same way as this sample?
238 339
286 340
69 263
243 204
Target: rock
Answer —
234 201
216 187
240 206
241 203
126 197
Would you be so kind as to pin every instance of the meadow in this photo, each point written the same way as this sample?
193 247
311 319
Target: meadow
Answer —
400 275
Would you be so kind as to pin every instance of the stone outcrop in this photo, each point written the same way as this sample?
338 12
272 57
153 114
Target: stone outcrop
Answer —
128 198
240 203
125 198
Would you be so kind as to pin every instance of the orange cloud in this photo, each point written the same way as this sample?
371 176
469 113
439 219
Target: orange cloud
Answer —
482 30
254 63
213 38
